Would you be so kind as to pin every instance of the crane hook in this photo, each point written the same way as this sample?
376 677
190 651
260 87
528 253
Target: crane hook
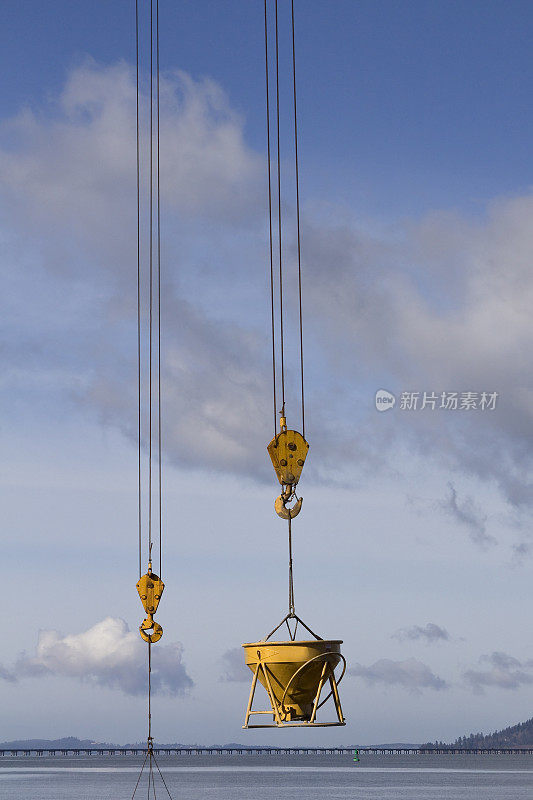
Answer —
280 504
149 624
150 588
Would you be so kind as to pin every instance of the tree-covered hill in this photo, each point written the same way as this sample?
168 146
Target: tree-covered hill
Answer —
520 735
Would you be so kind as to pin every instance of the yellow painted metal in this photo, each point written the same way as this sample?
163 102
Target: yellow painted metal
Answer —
150 588
150 624
284 511
288 451
293 673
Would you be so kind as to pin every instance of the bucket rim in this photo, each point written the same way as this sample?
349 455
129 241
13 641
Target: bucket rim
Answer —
296 642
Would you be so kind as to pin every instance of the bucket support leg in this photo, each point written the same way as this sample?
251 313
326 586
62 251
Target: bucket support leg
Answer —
336 698
251 698
278 709
271 697
319 690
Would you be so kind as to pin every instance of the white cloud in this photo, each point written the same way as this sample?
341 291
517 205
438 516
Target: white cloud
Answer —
214 398
108 654
437 304
68 186
410 674
441 304
68 172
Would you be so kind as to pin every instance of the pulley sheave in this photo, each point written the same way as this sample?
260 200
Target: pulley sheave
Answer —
288 451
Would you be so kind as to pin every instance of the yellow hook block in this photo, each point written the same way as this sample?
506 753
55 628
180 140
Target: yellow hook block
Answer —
288 451
150 588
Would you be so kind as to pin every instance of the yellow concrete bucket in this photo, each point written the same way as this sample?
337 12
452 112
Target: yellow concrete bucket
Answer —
294 674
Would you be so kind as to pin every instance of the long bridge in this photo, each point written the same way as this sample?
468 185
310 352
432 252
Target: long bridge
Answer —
284 751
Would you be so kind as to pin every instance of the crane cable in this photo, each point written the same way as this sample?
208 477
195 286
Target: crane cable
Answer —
139 474
280 254
297 177
280 240
271 242
149 586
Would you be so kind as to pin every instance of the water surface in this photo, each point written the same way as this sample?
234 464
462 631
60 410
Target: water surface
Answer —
278 777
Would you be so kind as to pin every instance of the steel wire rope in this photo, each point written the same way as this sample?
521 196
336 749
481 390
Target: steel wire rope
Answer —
151 278
161 776
150 693
139 446
298 217
149 777
151 200
140 776
269 170
159 303
291 581
152 179
280 224
280 243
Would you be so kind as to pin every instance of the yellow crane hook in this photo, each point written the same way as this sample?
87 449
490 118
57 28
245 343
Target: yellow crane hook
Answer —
150 588
288 451
280 504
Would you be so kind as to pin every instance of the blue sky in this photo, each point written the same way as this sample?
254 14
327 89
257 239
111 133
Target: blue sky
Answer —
432 97
415 131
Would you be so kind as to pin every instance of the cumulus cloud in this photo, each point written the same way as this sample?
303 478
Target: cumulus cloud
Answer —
107 654
71 170
68 186
428 633
436 304
504 672
215 396
410 674
439 304
235 670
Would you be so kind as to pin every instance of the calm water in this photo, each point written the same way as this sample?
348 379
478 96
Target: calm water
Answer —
247 777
